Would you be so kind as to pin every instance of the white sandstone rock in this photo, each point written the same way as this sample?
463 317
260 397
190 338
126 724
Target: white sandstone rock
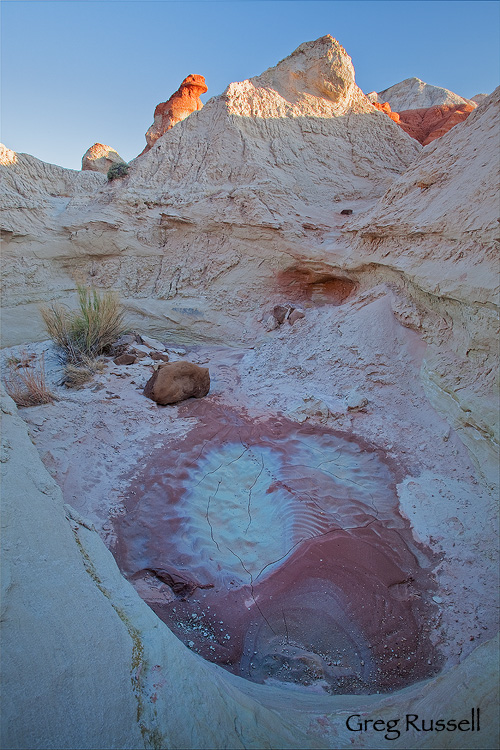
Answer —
218 203
356 401
479 98
152 344
412 93
99 158
438 225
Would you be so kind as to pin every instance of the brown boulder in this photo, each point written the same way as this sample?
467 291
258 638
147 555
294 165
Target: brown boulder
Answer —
177 381
167 114
125 359
280 312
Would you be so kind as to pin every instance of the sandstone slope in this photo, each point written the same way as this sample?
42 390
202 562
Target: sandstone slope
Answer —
437 227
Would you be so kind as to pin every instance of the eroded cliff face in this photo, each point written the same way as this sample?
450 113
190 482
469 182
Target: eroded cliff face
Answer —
437 226
219 203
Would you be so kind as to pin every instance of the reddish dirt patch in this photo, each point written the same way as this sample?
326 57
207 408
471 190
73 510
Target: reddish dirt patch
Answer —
345 608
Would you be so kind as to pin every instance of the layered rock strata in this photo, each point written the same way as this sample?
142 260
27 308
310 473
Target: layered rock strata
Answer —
425 125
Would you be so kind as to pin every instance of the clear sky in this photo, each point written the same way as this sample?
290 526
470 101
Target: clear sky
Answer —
76 72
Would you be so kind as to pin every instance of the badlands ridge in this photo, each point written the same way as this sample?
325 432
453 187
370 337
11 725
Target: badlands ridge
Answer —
338 280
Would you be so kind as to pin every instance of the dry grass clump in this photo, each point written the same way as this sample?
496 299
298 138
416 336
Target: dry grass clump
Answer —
25 381
75 376
83 335
89 331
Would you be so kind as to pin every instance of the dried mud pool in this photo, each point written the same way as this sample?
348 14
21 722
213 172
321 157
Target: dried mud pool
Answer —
277 551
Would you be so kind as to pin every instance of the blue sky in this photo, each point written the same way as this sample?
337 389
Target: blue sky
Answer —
74 73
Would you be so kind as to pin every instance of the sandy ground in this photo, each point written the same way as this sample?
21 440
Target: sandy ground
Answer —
352 369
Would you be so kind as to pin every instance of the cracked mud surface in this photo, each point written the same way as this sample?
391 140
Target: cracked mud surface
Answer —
286 552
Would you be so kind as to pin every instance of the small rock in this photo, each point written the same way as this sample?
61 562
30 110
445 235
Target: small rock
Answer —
122 344
125 359
279 313
152 343
140 350
356 400
295 315
346 212
158 356
270 323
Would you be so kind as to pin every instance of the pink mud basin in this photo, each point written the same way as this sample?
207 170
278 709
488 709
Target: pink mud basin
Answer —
277 551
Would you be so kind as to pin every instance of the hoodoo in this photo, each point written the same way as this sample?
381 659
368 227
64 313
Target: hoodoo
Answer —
180 105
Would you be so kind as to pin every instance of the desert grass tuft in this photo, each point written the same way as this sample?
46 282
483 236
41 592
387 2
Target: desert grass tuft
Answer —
26 382
83 335
87 332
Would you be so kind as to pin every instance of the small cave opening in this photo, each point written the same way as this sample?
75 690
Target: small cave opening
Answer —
277 551
315 287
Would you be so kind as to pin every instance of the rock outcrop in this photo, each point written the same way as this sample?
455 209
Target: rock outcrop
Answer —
386 107
184 101
99 158
412 93
425 125
438 224
177 381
